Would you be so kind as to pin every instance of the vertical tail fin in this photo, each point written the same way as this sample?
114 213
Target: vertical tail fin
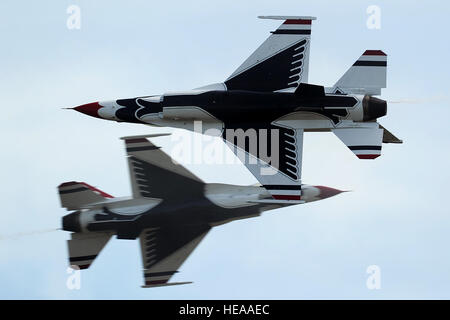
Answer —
366 76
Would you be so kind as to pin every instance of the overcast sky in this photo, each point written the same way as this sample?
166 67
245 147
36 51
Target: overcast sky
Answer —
397 216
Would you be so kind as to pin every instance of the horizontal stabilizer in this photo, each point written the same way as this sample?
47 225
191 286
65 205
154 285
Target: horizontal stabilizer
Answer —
366 76
85 247
364 142
77 195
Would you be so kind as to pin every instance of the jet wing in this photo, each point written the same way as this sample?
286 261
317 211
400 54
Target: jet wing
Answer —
273 155
281 62
77 195
154 174
165 249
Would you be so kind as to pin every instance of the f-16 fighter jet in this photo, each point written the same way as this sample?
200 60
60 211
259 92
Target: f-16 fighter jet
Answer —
266 105
170 211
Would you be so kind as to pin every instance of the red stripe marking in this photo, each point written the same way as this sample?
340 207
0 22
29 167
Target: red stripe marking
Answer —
155 282
66 184
139 140
84 266
103 194
292 21
285 197
368 156
374 53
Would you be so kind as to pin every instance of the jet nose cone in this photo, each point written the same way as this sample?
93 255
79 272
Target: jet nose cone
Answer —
91 109
326 192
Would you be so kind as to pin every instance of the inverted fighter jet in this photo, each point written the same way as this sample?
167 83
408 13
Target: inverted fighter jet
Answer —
264 107
170 211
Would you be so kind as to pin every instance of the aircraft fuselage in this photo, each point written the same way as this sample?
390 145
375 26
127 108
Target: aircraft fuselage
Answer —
239 109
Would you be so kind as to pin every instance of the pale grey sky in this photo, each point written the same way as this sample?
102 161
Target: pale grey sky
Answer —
396 218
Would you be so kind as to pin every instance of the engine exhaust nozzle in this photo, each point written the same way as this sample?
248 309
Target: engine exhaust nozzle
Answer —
71 222
373 108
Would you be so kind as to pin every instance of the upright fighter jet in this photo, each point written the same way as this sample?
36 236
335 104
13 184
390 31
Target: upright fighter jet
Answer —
170 211
264 107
